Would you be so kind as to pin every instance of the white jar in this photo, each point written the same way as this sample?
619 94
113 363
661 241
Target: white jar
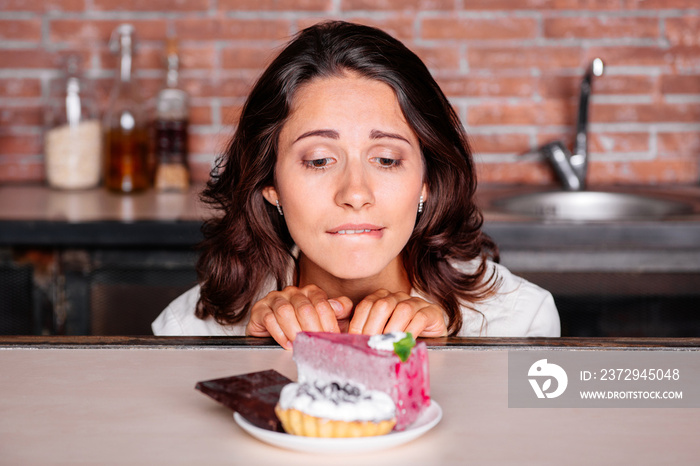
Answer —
73 139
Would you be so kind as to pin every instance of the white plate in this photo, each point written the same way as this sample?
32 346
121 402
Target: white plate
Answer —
426 421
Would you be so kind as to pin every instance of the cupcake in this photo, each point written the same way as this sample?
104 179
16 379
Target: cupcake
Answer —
335 410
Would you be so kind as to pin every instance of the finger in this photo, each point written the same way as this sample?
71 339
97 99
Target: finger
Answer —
266 327
362 311
379 315
428 322
284 314
342 306
324 308
403 315
359 317
306 313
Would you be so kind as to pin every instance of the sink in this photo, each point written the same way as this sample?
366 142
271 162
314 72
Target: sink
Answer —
587 206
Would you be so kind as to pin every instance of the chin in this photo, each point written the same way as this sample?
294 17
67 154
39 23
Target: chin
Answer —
350 271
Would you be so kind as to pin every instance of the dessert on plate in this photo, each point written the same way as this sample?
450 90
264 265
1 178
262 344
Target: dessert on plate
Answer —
355 385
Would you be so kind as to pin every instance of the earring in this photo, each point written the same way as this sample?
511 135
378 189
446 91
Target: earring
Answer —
279 207
420 204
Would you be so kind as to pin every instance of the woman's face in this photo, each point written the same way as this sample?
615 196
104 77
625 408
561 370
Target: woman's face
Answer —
349 175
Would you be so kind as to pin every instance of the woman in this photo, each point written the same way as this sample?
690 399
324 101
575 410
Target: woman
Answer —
346 202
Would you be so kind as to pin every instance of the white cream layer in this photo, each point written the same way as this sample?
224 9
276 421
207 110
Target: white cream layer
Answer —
338 402
385 341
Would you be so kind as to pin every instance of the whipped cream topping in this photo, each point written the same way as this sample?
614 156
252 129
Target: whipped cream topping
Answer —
337 402
386 341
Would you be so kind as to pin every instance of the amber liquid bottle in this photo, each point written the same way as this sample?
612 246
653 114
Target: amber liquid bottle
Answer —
126 134
171 125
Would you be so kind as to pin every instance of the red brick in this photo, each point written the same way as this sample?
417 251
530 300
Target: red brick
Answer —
683 31
552 112
200 115
398 5
473 85
686 58
569 86
247 57
20 87
679 144
20 29
20 144
152 57
196 56
24 115
26 58
645 113
21 170
544 58
499 143
275 5
631 56
146 88
89 31
660 4
199 170
42 6
439 59
225 28
597 28
150 5
658 171
685 84
522 172
482 28
205 143
618 142
399 25
230 114
223 86
512 5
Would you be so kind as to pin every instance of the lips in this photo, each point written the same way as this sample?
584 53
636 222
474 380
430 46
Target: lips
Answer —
356 229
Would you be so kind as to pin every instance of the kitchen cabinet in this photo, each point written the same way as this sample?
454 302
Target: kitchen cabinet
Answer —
94 262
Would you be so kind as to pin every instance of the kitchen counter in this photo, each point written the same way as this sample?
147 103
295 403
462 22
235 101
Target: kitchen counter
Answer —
36 215
97 402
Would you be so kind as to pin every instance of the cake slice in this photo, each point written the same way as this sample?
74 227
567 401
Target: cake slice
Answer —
344 358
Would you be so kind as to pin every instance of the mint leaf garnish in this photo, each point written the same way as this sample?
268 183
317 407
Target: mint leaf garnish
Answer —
403 347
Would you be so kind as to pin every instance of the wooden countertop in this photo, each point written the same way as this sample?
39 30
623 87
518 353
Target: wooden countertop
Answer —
136 404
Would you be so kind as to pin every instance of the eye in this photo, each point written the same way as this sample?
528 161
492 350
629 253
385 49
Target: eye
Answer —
387 162
318 164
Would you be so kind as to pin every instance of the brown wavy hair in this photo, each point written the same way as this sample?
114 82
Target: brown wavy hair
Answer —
247 246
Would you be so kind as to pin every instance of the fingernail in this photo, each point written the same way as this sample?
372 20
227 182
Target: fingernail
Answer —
337 307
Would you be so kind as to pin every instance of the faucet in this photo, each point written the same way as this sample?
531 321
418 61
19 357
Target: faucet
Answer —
571 168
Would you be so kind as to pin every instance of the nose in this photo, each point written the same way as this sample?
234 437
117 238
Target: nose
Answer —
354 188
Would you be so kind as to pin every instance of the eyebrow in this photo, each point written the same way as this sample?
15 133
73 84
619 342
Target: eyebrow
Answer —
324 133
376 134
332 134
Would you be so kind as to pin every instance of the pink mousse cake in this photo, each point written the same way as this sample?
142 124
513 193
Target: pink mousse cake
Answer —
345 358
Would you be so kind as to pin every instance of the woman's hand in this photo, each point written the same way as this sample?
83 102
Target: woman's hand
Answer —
283 314
384 312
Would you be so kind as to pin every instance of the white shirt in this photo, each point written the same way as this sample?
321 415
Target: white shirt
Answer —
518 309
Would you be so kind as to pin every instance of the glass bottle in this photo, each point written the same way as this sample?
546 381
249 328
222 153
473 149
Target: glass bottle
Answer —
72 141
126 133
171 123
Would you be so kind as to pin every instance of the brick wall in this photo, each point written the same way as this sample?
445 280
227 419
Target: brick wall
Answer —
511 68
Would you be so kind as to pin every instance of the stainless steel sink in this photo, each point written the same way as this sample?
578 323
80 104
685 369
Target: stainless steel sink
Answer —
590 206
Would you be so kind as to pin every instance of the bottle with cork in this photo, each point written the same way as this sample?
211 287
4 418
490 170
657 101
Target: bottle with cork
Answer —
171 128
127 166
